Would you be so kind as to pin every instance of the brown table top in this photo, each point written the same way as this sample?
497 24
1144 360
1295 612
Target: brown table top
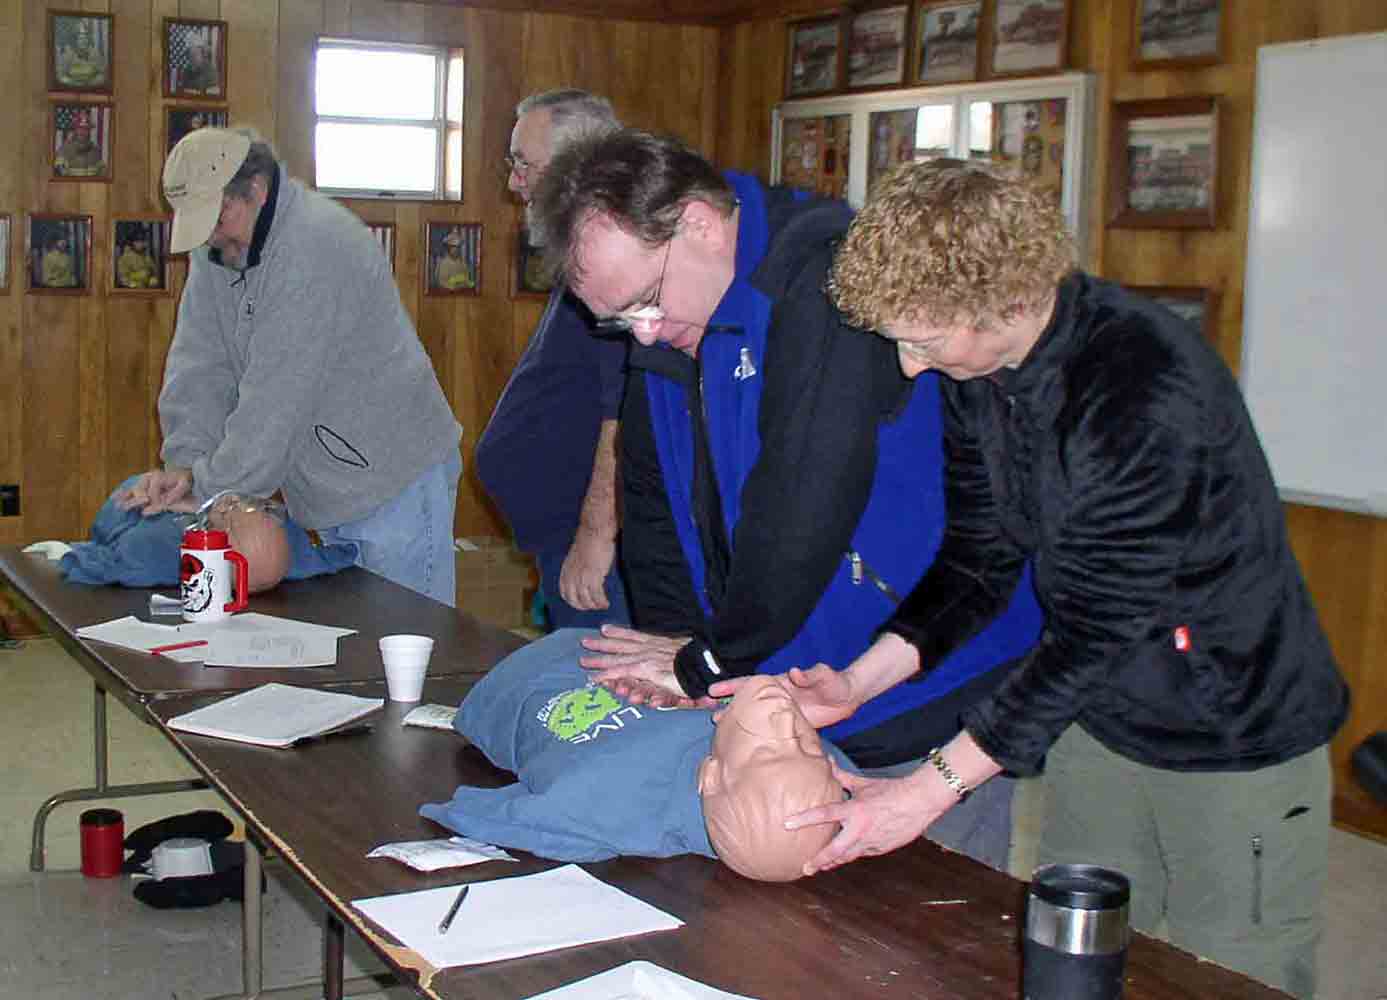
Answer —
353 598
920 922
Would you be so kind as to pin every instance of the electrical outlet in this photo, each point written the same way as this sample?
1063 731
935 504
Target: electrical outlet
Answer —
9 499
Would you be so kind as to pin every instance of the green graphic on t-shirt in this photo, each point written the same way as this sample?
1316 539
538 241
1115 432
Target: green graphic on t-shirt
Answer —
574 712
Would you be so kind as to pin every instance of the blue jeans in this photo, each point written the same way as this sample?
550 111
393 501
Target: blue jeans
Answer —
563 615
409 540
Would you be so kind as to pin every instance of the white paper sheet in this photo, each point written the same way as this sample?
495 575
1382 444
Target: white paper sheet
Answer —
270 649
316 645
638 981
508 918
275 715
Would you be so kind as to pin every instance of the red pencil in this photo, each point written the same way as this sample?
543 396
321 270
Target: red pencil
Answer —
178 645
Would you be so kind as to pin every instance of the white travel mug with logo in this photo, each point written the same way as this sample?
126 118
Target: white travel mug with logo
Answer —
215 577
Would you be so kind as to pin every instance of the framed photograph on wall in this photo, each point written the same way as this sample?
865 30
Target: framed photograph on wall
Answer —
813 62
79 51
529 278
194 58
454 258
877 45
140 255
1163 164
4 252
948 36
384 232
1177 31
80 138
179 121
1029 36
1192 303
57 254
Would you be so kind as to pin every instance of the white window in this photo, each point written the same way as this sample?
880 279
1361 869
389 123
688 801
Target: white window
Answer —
389 119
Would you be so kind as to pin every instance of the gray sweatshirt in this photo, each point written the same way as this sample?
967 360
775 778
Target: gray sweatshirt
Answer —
303 373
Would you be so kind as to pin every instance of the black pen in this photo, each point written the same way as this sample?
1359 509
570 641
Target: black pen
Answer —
447 920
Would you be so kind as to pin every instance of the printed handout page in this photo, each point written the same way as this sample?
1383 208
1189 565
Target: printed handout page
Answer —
275 715
645 980
511 917
245 640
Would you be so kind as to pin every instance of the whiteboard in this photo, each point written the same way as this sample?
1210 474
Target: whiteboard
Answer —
1314 344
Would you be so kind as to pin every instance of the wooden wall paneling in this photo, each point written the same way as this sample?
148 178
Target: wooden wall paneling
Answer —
158 10
206 10
127 426
87 468
386 20
690 112
630 47
337 18
49 400
12 154
251 48
300 24
133 77
409 256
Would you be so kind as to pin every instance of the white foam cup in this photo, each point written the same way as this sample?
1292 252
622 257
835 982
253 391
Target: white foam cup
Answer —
406 659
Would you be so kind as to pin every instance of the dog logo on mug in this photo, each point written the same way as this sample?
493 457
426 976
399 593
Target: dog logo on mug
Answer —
197 583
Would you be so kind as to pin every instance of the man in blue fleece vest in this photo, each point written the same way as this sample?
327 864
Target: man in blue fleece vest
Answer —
782 483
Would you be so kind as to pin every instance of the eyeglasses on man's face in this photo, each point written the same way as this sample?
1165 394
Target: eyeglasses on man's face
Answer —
645 312
518 165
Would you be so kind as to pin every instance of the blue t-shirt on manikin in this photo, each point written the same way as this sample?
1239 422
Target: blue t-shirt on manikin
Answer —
598 777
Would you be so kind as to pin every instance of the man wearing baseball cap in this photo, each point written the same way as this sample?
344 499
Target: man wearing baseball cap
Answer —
295 370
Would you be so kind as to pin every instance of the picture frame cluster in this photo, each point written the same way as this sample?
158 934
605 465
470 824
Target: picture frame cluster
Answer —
884 44
57 256
81 84
888 43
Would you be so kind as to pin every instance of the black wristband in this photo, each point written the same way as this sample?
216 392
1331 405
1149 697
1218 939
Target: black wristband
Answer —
696 668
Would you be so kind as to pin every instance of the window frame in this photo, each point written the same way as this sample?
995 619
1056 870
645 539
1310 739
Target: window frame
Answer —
439 123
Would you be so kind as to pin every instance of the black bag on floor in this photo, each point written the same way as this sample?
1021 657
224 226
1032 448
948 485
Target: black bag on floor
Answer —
225 881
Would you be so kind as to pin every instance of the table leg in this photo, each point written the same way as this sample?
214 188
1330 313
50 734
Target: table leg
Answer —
101 789
252 966
332 958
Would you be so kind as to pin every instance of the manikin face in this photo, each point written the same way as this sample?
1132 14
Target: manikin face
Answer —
667 293
767 763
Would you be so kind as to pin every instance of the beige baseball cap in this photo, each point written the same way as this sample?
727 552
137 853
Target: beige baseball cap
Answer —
195 175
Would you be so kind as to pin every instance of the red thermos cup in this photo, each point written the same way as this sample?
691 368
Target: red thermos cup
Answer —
103 837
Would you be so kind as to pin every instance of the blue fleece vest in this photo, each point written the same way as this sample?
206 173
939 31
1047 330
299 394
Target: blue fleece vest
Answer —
909 478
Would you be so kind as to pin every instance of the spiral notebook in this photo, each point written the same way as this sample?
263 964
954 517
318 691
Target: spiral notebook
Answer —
276 715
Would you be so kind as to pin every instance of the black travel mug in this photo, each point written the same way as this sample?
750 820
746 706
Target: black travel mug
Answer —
1076 934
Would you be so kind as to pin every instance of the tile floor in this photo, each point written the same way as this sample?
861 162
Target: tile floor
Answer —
64 937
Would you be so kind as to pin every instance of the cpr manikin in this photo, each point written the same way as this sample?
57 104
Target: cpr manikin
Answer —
599 777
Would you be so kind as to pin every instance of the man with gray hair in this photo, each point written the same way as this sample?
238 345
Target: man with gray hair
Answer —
295 370
548 455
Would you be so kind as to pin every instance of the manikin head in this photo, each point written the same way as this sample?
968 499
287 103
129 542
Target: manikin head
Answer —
767 764
258 535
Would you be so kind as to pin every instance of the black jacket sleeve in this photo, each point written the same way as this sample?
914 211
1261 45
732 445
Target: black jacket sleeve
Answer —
660 590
